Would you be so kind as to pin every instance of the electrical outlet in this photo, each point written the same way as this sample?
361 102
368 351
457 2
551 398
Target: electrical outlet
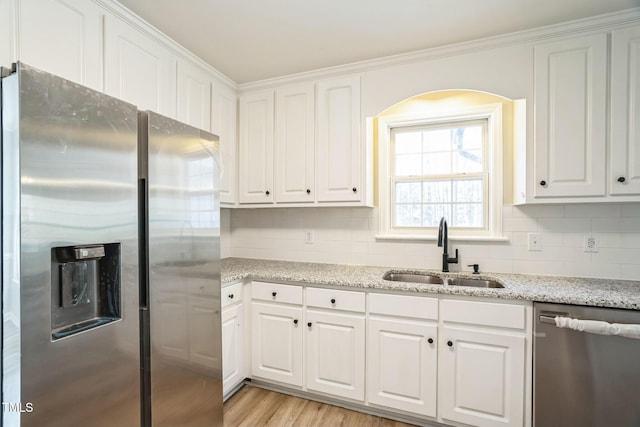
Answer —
309 237
533 242
591 243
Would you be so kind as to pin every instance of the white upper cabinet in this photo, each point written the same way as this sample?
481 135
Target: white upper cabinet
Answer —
223 123
256 148
194 96
294 143
311 152
570 117
582 151
339 154
62 37
625 112
138 69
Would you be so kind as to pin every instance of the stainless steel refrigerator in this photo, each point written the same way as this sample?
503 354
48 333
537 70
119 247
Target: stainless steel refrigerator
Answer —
110 261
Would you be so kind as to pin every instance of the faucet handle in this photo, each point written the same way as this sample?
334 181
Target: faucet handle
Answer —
454 260
476 267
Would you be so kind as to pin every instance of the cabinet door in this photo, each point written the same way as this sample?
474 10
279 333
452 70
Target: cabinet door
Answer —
276 337
194 96
339 147
481 378
402 365
256 148
570 117
625 111
138 69
63 37
295 143
335 354
223 123
232 347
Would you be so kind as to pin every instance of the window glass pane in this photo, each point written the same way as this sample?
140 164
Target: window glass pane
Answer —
467 161
408 192
436 163
436 191
467 138
432 213
468 190
408 165
468 215
408 142
408 216
437 140
447 152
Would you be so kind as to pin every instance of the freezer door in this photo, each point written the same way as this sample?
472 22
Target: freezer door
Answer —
184 274
70 341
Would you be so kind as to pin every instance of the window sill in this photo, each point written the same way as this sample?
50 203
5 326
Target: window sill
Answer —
408 238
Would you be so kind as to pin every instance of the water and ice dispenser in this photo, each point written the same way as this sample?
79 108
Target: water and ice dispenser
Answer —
85 287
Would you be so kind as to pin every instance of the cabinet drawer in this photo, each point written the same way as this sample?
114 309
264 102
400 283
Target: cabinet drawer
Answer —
231 294
277 292
334 299
483 313
405 306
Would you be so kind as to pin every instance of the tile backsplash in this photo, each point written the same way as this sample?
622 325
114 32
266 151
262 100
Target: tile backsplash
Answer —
347 236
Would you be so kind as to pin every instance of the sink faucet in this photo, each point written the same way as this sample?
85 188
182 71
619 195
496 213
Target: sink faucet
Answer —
443 241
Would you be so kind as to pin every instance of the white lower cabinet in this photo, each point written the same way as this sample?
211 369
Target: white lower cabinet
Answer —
484 370
233 362
437 359
335 353
482 377
277 342
402 353
277 333
402 365
233 330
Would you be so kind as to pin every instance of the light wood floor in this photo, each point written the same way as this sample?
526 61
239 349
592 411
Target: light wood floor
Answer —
255 407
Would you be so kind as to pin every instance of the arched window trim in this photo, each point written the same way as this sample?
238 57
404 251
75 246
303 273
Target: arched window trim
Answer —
494 115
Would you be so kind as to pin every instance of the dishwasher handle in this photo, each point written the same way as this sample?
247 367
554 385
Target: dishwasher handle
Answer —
550 316
562 321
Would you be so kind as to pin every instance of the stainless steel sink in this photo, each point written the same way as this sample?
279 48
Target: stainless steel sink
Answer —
412 277
477 283
435 280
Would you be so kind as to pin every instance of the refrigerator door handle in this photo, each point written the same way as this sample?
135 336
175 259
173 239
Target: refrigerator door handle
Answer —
143 250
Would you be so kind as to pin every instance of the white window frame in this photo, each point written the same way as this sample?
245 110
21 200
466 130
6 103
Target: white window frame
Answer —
493 114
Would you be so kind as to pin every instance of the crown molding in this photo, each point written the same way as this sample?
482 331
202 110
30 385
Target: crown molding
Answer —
592 24
149 30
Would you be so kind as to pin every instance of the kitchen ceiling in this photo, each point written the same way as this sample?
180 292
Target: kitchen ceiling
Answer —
255 40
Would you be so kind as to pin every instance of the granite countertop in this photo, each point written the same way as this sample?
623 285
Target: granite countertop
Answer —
566 290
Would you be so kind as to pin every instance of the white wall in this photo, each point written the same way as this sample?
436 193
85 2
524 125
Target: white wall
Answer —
346 236
6 33
505 71
225 233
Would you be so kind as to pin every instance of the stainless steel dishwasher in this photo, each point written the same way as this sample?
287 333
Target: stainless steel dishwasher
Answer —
584 379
